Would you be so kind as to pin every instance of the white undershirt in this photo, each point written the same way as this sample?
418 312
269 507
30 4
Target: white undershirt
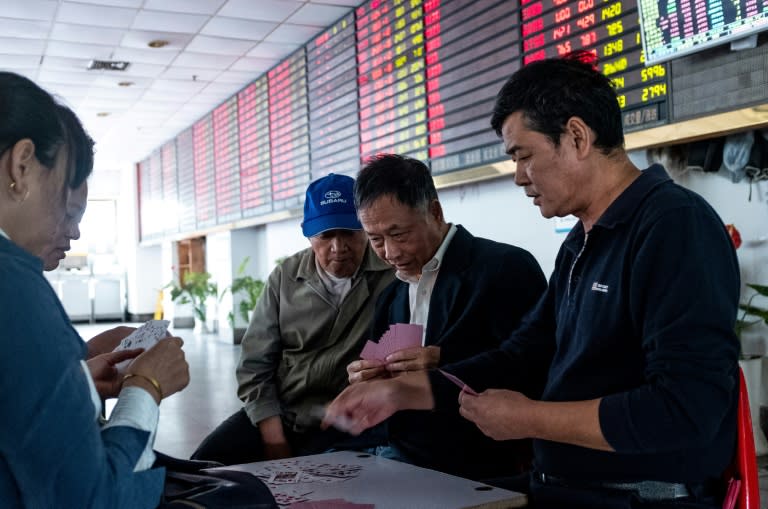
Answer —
420 287
2 233
135 408
336 288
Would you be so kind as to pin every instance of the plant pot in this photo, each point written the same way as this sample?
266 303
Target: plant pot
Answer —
183 315
201 327
753 373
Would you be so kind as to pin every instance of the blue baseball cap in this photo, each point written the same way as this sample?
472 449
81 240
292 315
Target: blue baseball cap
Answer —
330 205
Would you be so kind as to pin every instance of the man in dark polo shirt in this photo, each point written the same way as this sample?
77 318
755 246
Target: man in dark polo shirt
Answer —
634 335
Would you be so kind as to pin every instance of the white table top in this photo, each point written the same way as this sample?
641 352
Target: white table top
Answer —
387 484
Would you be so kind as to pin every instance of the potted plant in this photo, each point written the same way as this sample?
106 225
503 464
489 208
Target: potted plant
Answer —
750 309
195 288
248 288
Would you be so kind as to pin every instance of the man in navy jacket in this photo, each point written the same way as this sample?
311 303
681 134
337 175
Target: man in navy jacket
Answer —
469 294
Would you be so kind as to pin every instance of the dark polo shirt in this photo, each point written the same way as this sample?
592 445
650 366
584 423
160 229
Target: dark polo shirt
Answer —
639 312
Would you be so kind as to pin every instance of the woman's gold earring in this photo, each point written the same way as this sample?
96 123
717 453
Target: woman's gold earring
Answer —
13 186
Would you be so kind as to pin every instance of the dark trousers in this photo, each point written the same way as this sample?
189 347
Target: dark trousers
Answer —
236 440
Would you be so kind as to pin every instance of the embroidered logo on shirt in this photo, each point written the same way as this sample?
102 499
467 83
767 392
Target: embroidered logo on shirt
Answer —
599 287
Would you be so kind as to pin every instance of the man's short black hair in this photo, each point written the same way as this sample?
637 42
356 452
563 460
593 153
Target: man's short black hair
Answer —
405 178
549 92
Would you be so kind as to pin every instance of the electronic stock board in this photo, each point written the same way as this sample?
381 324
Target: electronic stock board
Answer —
414 77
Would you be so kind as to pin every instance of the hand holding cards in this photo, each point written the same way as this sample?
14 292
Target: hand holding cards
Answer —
399 336
163 360
144 337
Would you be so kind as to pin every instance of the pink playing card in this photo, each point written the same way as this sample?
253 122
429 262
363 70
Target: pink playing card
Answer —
453 378
399 336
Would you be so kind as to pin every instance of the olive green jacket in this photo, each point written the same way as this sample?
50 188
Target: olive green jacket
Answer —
298 344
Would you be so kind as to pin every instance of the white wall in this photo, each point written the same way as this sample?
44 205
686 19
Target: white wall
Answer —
733 204
283 238
500 211
143 265
218 262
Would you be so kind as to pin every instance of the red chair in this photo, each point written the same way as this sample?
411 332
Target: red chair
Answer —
744 487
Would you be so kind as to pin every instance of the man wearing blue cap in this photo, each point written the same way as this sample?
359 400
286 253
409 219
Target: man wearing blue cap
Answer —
309 323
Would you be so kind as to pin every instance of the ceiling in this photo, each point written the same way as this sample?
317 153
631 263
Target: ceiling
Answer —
216 47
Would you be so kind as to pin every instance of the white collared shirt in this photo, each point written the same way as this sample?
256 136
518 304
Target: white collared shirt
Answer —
420 288
3 234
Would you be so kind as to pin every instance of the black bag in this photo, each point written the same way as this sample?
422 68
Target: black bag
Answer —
187 485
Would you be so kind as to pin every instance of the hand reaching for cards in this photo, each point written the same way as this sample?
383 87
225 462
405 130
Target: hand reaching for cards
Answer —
165 363
366 404
413 359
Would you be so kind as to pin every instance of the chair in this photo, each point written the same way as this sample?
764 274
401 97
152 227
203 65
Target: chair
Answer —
744 490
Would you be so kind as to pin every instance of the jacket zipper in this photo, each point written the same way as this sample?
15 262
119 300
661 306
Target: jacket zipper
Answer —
573 266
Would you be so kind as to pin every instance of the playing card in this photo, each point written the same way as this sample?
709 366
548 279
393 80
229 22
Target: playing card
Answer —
453 378
286 499
399 336
284 477
144 337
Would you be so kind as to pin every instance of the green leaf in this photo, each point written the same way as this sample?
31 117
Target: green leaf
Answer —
247 287
761 289
755 311
195 288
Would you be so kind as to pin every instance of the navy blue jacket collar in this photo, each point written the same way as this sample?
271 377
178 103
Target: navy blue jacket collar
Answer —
9 247
457 259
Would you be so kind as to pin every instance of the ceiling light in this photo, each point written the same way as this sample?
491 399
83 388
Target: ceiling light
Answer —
158 43
108 65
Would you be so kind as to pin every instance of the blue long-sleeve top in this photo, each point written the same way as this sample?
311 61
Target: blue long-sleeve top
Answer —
639 312
52 451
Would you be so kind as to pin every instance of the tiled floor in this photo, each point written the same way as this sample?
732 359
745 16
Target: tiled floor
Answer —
187 417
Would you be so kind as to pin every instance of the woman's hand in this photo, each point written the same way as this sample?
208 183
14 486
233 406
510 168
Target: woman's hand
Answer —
165 363
104 373
107 341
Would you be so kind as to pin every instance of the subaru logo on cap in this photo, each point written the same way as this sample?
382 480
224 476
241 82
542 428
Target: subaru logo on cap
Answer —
330 195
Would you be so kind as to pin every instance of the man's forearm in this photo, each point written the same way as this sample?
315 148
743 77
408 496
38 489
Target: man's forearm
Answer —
570 422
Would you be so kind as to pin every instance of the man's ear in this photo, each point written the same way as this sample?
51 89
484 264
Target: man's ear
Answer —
580 135
436 211
22 157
